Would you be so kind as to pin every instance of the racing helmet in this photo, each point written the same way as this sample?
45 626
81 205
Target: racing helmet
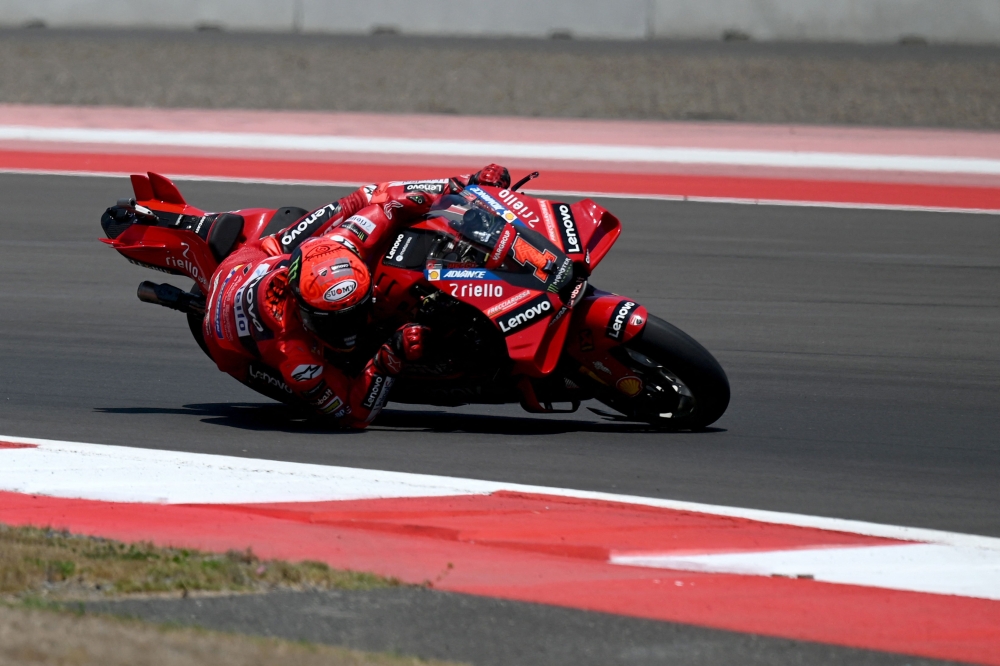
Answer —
333 289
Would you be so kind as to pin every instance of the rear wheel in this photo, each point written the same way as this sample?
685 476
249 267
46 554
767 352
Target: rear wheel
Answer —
683 386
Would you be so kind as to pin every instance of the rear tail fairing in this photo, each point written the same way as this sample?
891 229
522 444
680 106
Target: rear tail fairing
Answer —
160 230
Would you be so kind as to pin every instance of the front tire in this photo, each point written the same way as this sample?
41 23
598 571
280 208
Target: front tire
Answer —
685 388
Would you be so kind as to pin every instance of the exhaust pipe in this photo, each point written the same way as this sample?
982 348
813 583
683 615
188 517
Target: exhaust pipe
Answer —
171 297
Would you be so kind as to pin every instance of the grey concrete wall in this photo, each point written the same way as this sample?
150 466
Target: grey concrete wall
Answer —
959 21
963 21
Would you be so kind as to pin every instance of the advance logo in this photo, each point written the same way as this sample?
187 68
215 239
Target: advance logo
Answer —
527 314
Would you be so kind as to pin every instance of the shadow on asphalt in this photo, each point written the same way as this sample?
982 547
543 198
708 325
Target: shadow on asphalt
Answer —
282 418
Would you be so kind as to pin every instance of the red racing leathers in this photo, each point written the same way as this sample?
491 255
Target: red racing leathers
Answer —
252 325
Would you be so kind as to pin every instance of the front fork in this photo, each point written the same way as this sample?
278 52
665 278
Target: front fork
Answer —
602 323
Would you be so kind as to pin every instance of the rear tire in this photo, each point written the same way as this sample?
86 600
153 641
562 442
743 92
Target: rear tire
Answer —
697 400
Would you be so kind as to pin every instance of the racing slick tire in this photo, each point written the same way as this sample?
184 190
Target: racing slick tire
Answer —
683 386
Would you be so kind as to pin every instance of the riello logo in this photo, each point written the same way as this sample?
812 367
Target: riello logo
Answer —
185 265
525 315
519 207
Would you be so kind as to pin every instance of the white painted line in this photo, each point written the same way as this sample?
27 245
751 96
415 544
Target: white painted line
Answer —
736 201
768 202
496 150
934 568
127 474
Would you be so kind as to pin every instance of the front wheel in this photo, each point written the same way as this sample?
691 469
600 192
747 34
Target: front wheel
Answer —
684 387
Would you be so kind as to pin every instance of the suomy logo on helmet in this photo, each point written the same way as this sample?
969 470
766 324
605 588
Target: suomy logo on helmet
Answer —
340 291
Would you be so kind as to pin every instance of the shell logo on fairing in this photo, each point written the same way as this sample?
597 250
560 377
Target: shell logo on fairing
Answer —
630 386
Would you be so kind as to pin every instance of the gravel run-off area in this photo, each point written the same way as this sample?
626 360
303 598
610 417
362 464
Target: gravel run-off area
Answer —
890 85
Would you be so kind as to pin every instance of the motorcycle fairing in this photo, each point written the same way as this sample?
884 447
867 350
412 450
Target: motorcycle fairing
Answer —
593 227
520 293
175 239
601 323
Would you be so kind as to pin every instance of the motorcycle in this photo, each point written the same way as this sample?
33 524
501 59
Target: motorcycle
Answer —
501 278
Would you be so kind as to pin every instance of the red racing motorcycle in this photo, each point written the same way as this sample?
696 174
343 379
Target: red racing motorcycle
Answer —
501 278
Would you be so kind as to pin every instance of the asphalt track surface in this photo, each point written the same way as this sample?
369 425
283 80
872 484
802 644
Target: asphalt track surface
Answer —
862 349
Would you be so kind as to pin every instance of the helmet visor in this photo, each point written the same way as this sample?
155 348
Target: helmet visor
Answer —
338 329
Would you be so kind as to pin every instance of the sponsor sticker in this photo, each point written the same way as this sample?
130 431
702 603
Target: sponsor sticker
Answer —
377 393
500 250
362 222
307 371
340 291
503 306
586 340
485 290
433 274
525 315
332 404
397 252
619 318
548 216
389 207
252 308
519 207
567 228
218 303
184 263
242 323
563 275
293 270
430 188
265 375
360 233
396 245
307 225
431 181
630 386
373 391
466 274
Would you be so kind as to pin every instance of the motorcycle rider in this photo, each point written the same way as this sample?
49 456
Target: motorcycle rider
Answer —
283 310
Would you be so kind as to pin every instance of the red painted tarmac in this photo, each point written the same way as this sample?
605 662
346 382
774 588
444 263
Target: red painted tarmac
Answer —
789 184
554 550
764 190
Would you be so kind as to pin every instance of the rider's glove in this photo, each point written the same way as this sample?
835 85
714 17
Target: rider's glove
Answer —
408 344
493 175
